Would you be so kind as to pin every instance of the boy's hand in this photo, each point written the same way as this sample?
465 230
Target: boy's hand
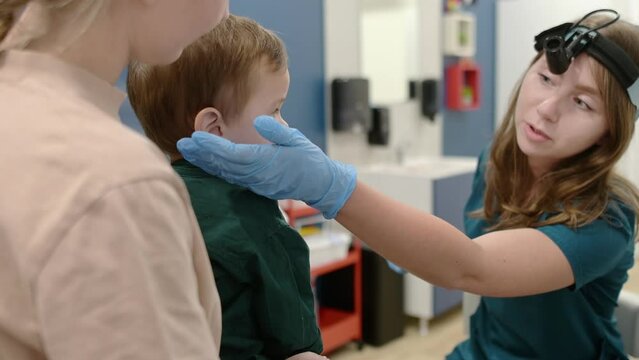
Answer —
290 168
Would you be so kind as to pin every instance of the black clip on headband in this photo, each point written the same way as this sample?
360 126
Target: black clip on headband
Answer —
564 42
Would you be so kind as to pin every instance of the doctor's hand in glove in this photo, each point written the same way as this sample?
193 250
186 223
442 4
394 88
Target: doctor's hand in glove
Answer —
291 167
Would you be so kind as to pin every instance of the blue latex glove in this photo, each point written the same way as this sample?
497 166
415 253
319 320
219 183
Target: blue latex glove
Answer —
290 168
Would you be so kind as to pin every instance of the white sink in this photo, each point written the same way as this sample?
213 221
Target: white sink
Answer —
429 167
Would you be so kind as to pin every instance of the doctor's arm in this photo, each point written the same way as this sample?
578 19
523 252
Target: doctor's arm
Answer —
504 263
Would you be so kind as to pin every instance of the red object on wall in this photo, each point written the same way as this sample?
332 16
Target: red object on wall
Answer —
462 86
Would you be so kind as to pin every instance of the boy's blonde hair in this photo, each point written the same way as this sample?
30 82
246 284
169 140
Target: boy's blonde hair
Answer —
215 71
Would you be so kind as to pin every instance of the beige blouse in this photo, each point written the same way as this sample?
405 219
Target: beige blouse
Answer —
100 254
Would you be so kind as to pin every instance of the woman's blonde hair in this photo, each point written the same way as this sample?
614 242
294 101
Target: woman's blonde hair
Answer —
8 10
578 189
23 22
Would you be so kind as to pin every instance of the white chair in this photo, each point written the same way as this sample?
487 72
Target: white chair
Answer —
470 302
628 321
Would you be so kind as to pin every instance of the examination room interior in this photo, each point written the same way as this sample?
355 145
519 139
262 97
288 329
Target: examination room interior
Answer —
410 92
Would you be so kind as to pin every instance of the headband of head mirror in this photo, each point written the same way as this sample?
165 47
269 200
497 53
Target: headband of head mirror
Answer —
564 42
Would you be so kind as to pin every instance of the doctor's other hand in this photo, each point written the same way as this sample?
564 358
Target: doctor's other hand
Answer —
291 167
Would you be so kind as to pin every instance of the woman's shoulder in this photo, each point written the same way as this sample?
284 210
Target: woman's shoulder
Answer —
88 142
479 179
113 153
616 225
482 161
621 216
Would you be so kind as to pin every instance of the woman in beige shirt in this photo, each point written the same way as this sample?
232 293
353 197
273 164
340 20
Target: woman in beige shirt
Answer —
100 254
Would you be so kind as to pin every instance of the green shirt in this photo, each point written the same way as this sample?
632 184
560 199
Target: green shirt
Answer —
261 268
573 323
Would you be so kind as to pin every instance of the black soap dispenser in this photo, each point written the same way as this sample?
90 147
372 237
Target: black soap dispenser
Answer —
379 132
350 104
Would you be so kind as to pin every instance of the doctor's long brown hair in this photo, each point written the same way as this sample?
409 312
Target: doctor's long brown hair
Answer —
578 189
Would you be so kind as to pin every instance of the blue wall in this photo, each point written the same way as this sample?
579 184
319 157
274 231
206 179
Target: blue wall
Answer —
300 24
466 133
126 112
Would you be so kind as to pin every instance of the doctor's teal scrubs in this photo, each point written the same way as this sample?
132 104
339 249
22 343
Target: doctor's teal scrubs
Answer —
577 322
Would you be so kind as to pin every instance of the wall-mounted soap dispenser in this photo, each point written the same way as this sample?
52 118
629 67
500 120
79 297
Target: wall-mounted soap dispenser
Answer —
429 98
380 126
413 91
350 104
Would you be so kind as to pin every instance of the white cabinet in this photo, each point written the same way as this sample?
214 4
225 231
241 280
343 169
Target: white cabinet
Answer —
438 185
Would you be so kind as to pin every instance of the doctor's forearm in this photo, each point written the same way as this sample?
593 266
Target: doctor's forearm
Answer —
420 242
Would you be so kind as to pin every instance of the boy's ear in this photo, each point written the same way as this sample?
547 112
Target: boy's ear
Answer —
210 120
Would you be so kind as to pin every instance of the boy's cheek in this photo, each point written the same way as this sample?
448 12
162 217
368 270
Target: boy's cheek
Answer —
282 121
258 139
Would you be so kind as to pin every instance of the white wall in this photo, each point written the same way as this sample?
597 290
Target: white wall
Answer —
629 165
518 21
385 46
411 134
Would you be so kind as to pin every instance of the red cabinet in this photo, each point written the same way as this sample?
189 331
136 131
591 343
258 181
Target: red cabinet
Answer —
338 327
462 86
